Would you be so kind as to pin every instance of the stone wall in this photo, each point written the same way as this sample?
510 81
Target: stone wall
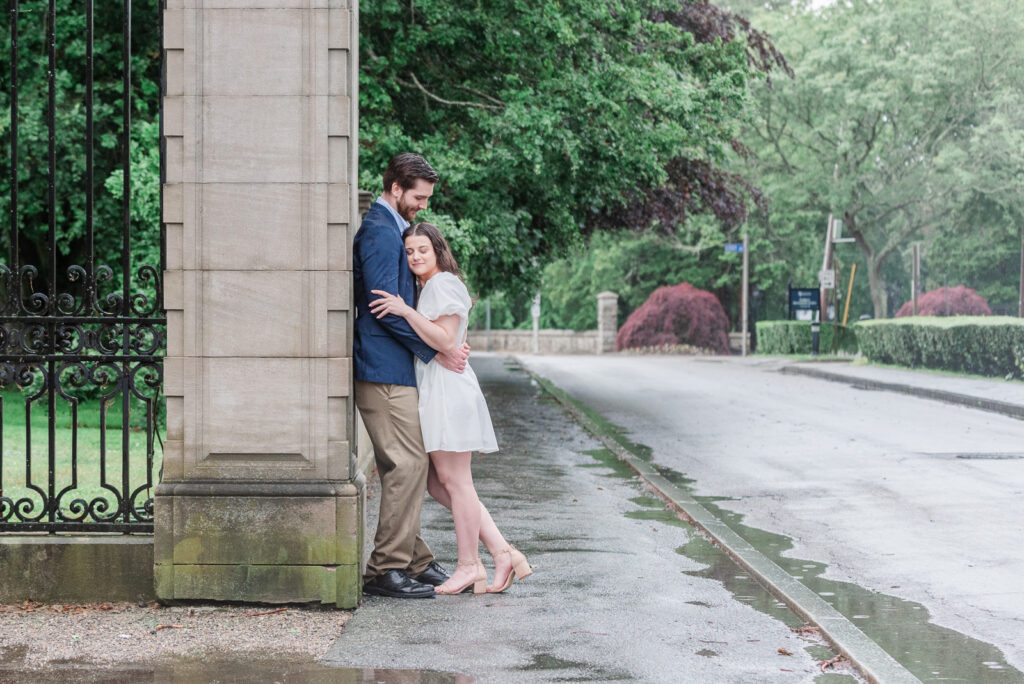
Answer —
76 568
549 341
521 341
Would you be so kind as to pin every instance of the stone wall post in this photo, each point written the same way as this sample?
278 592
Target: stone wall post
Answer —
259 500
607 321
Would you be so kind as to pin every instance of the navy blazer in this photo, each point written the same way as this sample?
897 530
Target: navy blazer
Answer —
383 349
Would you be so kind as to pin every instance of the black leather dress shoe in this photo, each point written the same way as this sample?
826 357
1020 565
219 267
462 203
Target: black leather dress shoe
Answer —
397 584
434 575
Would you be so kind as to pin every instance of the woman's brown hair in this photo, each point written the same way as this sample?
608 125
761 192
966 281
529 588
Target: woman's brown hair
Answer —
445 258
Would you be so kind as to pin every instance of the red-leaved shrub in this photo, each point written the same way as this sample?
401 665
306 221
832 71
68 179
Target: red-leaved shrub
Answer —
962 301
677 315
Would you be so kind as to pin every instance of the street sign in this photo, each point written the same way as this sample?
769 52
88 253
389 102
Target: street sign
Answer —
804 299
827 278
733 246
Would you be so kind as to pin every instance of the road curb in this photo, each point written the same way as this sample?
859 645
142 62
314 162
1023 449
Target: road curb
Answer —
992 405
873 663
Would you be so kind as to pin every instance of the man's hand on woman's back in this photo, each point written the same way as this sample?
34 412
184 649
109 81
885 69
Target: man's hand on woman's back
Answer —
454 360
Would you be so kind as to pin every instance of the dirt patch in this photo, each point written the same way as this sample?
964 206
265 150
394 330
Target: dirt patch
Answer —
34 635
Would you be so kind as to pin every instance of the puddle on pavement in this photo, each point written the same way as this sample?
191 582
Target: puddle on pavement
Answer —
717 566
237 670
900 627
545 662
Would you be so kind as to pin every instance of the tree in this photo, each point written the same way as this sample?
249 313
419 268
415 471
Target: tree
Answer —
546 119
71 141
885 95
633 264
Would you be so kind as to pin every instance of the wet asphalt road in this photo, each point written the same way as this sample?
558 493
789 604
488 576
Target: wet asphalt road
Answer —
612 597
915 499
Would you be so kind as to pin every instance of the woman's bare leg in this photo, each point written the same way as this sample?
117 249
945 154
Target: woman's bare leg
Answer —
489 533
453 473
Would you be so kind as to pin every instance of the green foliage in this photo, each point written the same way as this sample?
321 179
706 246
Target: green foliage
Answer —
794 337
980 250
984 345
539 115
631 265
70 135
903 119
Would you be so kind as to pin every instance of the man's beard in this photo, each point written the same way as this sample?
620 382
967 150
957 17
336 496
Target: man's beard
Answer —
407 211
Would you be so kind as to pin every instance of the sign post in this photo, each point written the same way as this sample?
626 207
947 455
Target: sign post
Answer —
807 299
535 312
746 292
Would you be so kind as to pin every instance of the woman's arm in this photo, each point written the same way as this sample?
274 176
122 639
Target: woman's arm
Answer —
439 334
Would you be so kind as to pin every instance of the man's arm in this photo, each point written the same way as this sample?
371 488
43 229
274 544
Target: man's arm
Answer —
439 334
380 272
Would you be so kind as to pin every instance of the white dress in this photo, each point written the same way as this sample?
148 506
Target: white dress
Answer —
453 412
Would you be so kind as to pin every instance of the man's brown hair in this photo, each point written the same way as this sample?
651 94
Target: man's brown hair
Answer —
405 169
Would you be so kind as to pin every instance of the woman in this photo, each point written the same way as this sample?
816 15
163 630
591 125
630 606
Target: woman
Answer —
453 413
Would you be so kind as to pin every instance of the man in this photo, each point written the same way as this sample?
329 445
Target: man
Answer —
401 565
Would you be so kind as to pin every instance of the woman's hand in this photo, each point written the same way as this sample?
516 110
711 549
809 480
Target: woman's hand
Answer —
389 304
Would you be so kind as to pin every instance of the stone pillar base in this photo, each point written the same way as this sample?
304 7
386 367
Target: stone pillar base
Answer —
268 542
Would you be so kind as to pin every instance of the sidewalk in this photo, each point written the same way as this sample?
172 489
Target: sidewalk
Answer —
622 590
996 395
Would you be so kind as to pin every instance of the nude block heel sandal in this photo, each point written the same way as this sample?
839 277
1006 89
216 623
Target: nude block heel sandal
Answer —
520 568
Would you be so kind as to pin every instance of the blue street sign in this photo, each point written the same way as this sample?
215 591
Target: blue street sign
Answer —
733 246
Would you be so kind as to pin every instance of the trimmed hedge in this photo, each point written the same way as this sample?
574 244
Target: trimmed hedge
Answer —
983 345
794 337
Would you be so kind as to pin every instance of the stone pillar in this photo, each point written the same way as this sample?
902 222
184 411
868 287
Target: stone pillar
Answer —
259 500
607 321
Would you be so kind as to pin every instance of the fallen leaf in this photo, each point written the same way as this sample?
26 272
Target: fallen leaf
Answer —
829 663
783 651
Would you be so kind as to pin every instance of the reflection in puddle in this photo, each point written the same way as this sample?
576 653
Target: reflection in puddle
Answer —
930 652
238 670
573 671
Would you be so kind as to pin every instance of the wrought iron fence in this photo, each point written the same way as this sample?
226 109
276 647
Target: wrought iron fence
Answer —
81 340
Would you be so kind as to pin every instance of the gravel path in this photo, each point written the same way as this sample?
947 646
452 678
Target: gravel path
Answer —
34 635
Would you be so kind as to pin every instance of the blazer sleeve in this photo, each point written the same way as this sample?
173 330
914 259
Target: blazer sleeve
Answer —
380 272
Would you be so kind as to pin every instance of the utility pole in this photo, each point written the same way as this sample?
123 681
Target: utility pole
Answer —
487 338
945 288
1020 303
915 277
746 291
826 265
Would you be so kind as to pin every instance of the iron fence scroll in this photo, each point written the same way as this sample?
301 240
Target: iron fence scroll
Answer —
82 328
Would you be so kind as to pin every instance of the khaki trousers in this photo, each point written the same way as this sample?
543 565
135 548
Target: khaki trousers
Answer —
392 419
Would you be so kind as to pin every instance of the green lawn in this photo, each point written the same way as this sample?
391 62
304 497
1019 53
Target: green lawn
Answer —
88 443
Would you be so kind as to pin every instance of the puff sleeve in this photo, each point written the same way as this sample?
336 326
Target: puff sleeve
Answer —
443 295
